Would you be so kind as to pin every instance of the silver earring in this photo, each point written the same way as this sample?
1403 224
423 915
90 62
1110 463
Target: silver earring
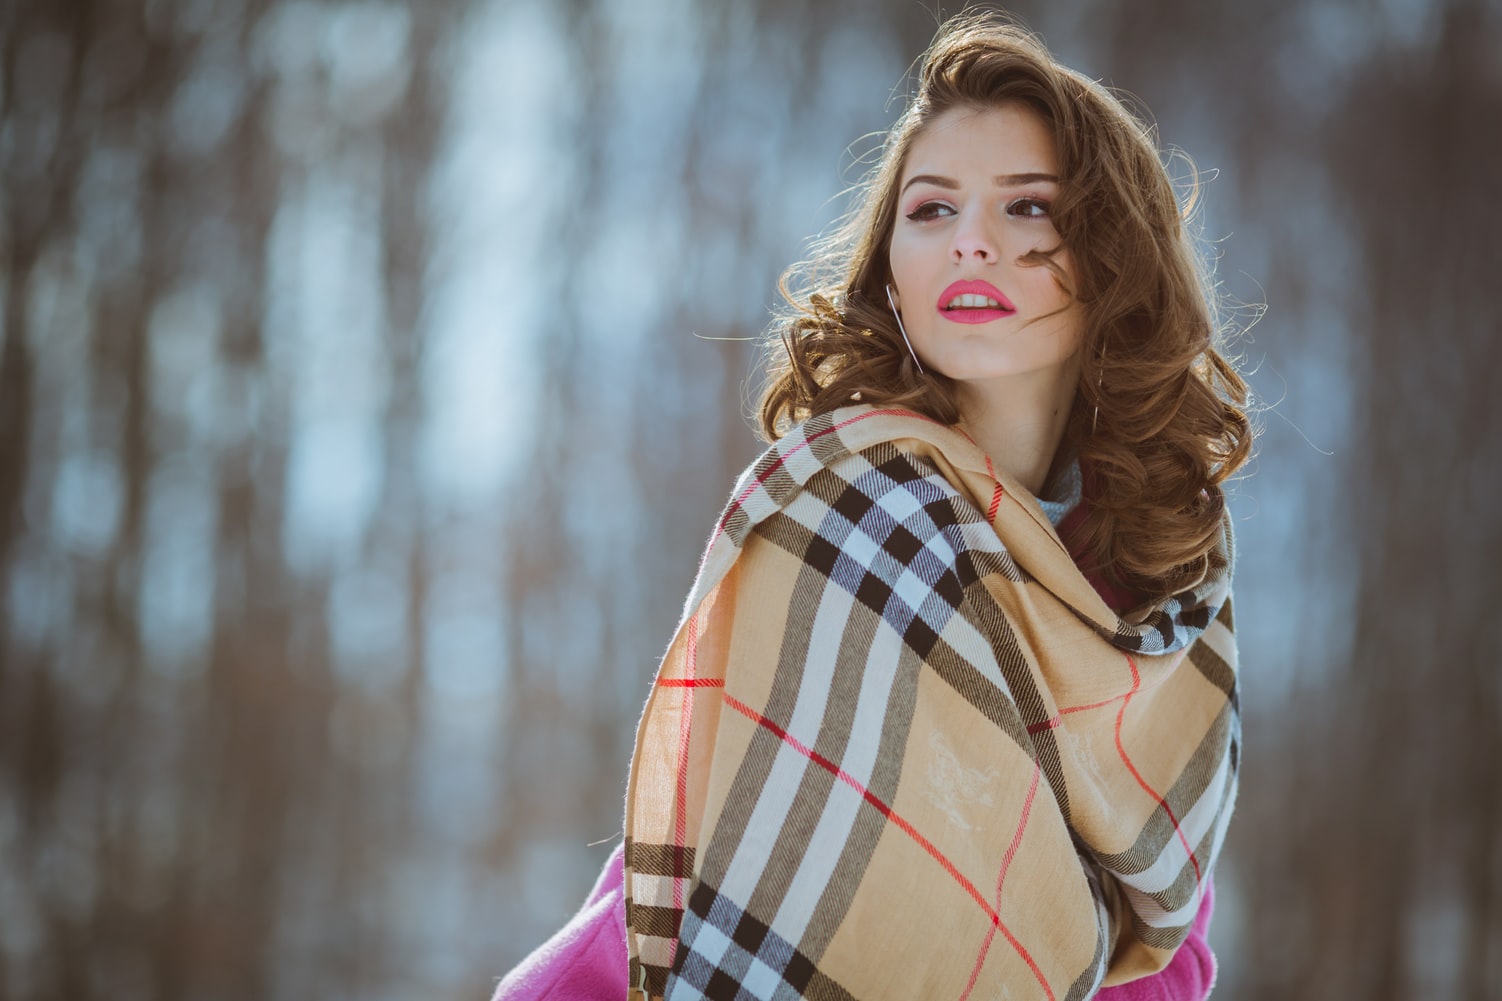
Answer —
903 330
1100 379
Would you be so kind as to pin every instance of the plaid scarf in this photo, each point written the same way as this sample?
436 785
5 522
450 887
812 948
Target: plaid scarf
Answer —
899 746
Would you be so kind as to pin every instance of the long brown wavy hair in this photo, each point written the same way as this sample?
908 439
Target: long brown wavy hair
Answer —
1170 427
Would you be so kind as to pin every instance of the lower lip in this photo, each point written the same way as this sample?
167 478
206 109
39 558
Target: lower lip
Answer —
975 315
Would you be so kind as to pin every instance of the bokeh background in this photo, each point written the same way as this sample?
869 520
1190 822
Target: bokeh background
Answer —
373 372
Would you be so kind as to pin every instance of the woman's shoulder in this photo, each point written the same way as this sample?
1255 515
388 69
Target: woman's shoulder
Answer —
842 481
857 461
827 438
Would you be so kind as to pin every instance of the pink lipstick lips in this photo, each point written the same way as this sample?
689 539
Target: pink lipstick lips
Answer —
974 302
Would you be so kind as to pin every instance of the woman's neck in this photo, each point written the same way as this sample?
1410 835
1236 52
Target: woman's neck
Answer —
1019 421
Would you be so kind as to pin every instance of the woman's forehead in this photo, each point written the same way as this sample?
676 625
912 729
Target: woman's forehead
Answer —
1009 139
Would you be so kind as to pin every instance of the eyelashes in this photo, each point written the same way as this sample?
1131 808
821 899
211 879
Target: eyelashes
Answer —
1024 207
929 210
1028 208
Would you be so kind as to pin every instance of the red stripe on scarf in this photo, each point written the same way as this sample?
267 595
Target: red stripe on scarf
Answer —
1121 749
1054 721
1006 863
996 494
910 831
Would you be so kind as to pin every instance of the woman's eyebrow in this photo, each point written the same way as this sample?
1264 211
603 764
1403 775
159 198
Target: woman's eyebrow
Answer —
1012 180
934 179
1000 180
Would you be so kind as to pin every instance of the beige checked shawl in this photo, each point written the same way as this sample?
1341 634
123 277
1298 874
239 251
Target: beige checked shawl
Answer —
899 747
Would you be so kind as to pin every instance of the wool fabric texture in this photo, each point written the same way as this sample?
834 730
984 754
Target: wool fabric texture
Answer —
899 746
585 960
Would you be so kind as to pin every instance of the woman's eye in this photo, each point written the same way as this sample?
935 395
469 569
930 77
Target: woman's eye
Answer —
1032 208
929 210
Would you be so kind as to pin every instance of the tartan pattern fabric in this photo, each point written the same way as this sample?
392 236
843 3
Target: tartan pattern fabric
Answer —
899 744
734 953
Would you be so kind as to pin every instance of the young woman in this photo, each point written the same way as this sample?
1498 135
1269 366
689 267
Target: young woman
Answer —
952 710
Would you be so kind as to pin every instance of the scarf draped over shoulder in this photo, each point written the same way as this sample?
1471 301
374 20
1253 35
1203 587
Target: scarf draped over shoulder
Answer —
900 747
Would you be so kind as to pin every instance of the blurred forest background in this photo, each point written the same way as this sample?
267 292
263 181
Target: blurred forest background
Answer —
352 349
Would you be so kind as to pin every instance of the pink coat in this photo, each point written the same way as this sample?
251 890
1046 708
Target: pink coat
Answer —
586 959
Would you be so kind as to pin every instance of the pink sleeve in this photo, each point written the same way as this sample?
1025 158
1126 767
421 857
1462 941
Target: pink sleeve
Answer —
1188 976
586 959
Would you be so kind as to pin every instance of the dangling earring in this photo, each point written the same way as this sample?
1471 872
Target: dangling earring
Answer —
1100 379
893 303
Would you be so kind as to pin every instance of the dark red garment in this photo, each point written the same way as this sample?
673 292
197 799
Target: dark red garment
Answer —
1121 599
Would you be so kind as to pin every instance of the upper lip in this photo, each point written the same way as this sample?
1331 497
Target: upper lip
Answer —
974 286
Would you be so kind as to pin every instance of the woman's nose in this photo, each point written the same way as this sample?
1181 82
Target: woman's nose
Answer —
972 240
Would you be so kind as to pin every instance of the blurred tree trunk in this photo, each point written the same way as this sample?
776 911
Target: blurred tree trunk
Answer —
1419 808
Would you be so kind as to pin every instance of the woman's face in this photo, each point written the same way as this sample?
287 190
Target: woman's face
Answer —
974 197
